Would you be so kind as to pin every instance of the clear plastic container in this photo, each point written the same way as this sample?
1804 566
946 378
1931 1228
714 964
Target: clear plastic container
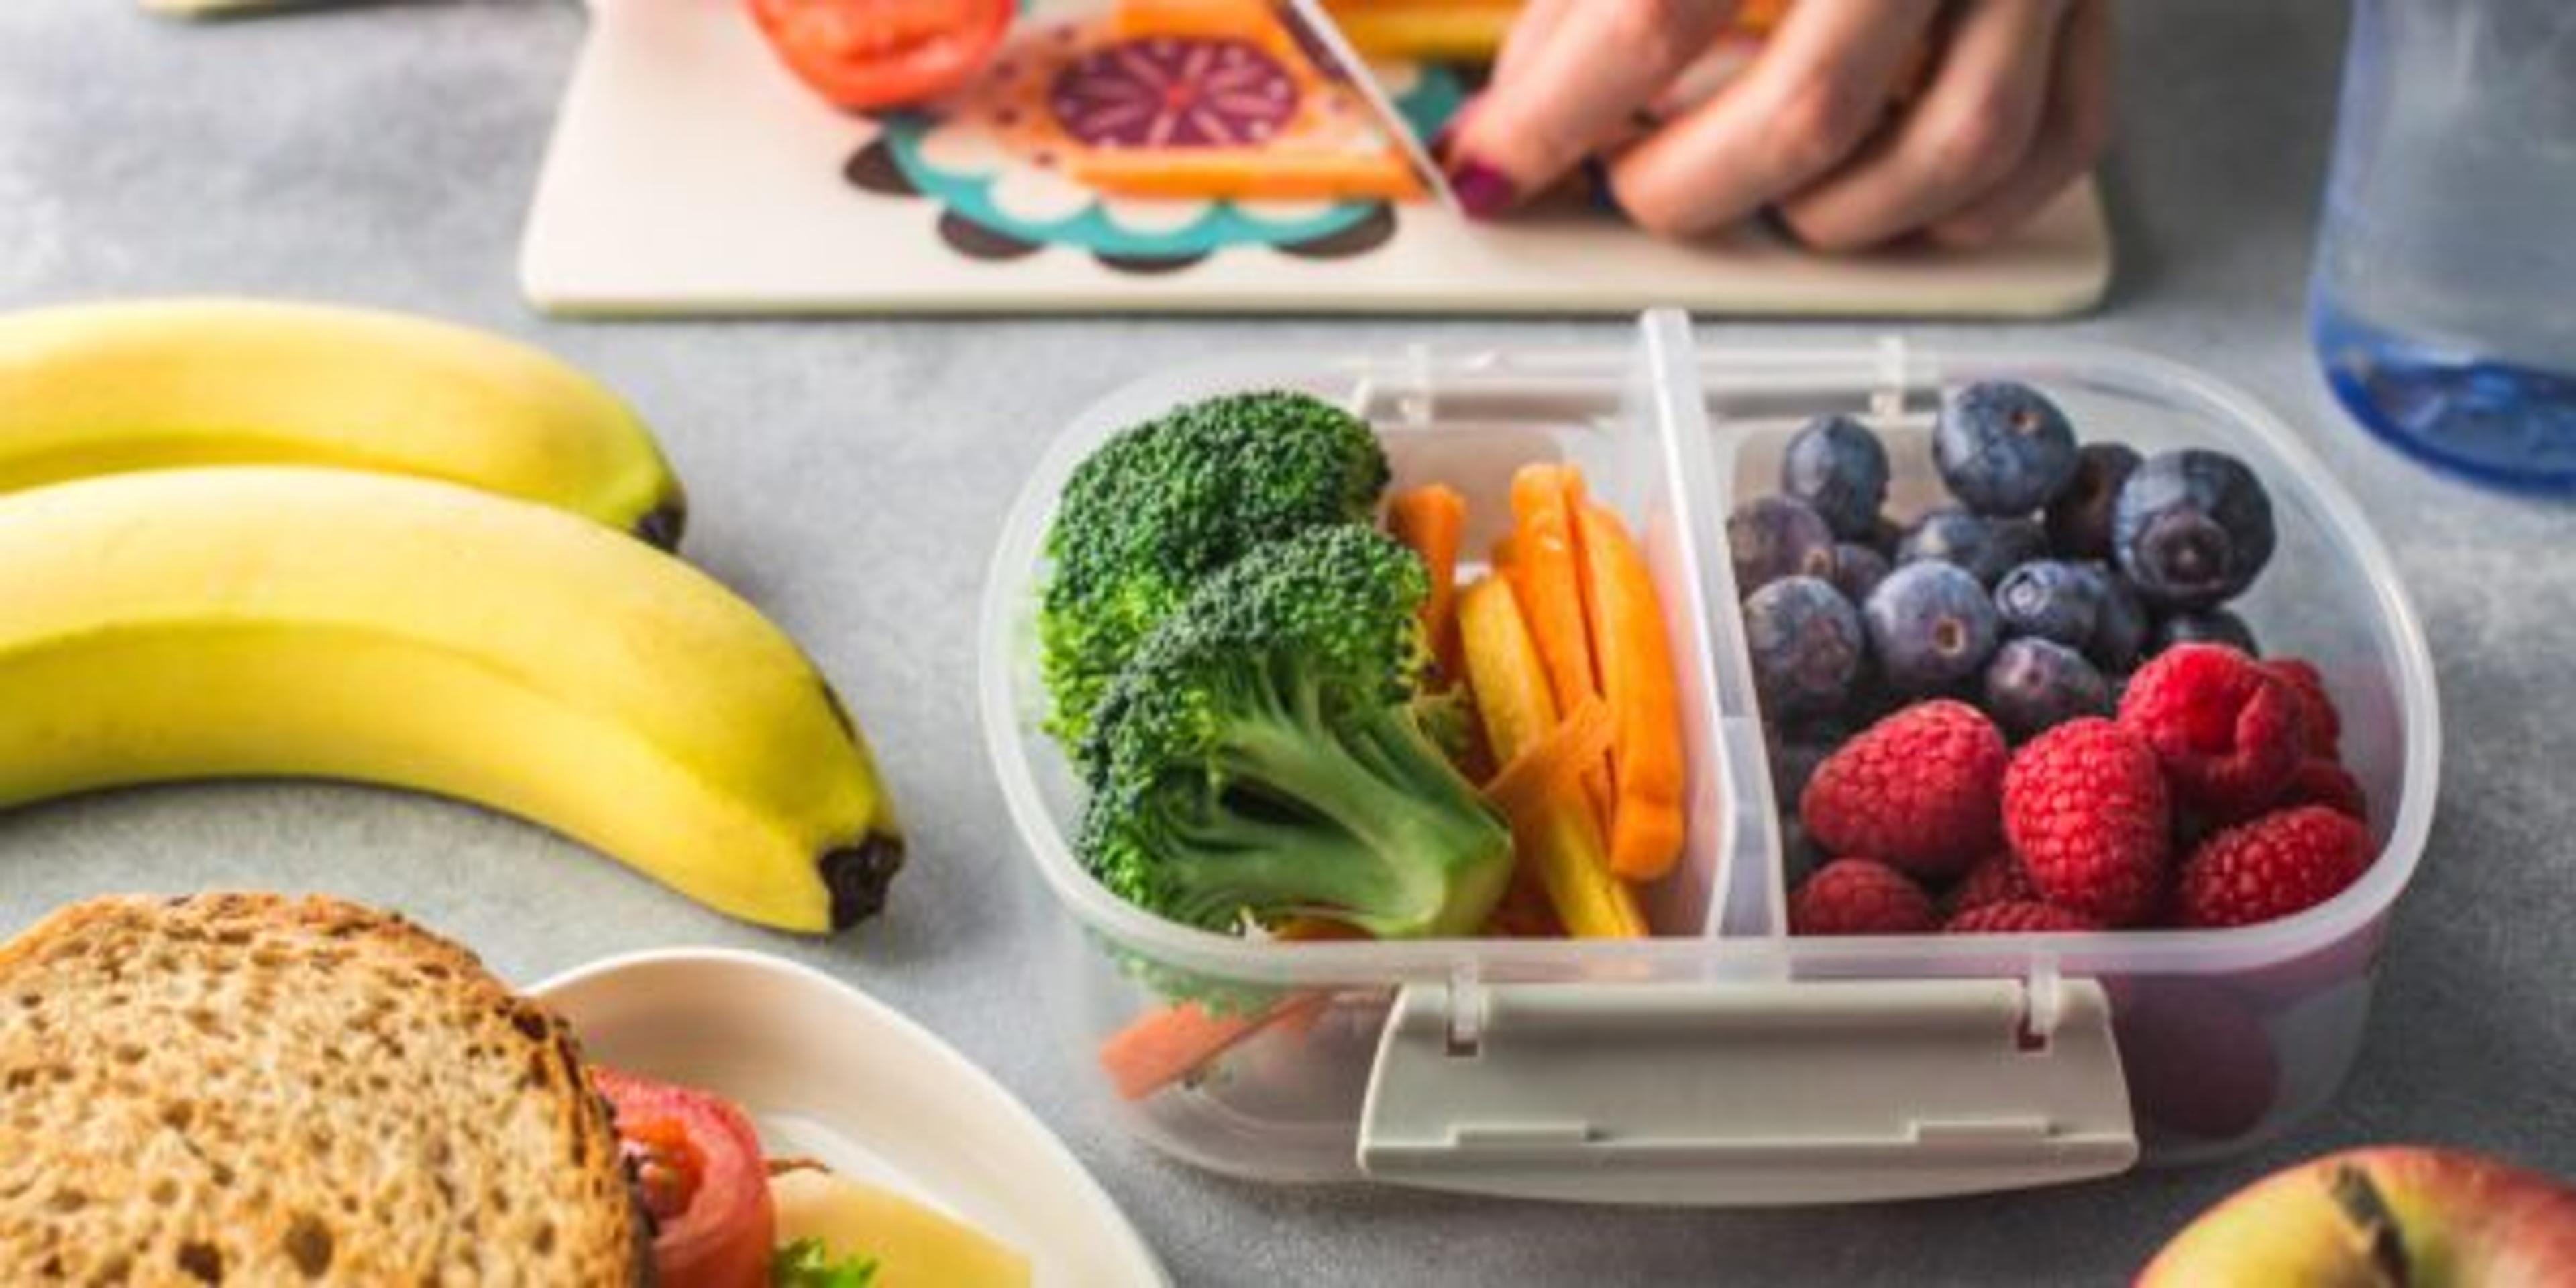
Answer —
1723 1061
2443 264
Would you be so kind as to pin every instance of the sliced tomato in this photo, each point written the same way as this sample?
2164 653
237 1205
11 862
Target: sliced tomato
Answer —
698 1165
883 53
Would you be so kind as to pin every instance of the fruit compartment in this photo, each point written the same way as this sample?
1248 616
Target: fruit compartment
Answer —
2225 1036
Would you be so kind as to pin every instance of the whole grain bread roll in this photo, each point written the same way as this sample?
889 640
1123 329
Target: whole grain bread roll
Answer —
260 1089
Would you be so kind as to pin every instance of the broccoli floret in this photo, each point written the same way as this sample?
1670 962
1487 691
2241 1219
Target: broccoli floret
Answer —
1261 755
1162 505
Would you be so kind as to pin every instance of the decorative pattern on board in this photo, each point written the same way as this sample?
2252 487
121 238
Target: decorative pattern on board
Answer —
999 158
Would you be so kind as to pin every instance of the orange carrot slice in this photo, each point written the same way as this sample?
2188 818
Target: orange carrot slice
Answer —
1266 174
1241 19
1432 519
1548 579
1554 765
1627 634
1170 1044
1166 1045
1543 548
1446 33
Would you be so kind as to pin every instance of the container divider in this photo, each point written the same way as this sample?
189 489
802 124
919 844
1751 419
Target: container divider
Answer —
1717 683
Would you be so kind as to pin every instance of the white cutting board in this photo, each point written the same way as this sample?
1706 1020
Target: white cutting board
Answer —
689 173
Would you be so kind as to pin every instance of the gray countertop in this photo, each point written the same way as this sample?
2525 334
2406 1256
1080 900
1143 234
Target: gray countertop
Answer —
851 478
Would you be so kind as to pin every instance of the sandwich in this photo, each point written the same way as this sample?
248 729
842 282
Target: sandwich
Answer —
262 1089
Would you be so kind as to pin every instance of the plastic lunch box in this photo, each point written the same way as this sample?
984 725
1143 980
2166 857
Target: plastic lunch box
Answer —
1724 1062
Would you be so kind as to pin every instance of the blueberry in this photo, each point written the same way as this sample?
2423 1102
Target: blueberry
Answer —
1775 537
2079 520
2120 631
1857 570
1931 627
2035 684
1987 548
2217 626
2003 448
1837 467
1806 644
2191 529
2053 600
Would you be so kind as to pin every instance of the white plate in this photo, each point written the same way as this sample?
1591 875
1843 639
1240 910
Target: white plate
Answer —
829 1073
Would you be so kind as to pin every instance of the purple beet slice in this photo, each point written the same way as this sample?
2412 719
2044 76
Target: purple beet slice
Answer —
1173 92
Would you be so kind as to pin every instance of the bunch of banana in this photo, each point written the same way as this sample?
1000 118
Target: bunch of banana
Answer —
104 388
267 540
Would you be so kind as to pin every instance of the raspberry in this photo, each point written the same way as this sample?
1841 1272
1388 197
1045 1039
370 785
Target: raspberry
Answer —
1918 790
2227 730
2085 807
2274 866
2322 782
2017 917
2316 710
1997 878
1860 897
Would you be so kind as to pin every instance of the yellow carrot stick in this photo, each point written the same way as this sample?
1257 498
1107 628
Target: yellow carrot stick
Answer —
1557 832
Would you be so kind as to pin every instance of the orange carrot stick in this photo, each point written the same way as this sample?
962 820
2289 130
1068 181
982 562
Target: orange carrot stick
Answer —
1170 1044
1429 32
1272 174
1554 765
1552 605
1433 520
1549 583
1240 19
1627 630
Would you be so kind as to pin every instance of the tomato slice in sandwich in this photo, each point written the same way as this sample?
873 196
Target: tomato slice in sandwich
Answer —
699 1169
883 53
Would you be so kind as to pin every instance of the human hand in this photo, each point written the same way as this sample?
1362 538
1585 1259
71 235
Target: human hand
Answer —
2013 104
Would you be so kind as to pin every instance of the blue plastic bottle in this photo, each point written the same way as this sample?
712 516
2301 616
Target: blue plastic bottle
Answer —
2444 300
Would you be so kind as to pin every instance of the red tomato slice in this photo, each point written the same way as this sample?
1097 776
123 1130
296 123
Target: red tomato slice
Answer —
883 53
698 1165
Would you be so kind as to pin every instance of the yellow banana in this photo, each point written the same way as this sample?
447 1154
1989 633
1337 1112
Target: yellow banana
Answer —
274 621
108 388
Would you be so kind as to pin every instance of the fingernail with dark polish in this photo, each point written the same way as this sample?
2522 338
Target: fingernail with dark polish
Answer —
1482 190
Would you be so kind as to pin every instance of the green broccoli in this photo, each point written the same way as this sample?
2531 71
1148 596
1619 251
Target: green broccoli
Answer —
1162 505
1262 755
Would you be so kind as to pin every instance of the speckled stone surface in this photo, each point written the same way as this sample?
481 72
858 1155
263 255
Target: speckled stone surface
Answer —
851 477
